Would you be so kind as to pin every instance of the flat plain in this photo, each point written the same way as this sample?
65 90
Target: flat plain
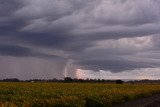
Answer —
26 94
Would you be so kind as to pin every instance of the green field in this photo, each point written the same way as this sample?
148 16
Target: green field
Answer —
23 94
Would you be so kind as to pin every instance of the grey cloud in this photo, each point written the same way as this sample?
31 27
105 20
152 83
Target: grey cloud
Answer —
19 51
79 20
156 41
84 21
55 41
74 27
14 50
7 7
136 13
114 65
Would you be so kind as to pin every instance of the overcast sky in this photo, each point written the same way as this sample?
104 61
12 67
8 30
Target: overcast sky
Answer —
107 39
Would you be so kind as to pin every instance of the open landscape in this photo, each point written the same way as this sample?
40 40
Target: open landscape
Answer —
79 53
25 94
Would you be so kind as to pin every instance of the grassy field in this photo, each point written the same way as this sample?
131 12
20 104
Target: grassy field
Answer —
71 94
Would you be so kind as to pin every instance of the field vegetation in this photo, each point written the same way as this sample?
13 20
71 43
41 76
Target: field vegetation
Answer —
27 94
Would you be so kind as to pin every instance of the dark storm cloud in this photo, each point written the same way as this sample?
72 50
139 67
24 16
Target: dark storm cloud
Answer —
9 25
53 41
19 51
7 7
115 65
91 20
46 40
75 28
11 50
89 23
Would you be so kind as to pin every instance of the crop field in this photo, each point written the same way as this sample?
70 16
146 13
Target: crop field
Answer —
23 94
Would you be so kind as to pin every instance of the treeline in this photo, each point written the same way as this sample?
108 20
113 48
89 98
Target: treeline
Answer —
66 79
69 80
144 81
10 80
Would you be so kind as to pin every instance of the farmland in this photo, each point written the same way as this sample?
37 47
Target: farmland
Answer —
25 94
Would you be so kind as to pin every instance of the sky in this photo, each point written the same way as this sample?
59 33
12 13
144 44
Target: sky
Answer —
106 39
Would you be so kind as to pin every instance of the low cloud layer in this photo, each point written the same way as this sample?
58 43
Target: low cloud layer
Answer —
108 35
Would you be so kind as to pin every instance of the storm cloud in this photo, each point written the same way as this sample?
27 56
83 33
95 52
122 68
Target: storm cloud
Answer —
109 35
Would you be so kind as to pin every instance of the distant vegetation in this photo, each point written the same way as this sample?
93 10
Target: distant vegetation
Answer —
69 79
119 82
48 94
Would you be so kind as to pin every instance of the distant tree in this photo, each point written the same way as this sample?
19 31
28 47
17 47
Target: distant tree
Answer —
68 79
11 80
54 80
119 82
